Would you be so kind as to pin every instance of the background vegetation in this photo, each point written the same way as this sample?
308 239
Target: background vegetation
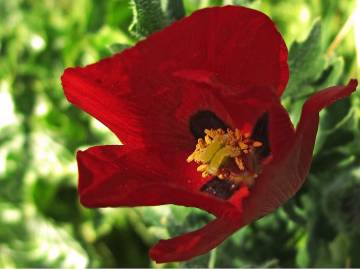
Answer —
41 221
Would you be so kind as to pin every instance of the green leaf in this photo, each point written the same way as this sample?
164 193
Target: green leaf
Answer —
331 74
306 62
29 240
334 117
174 9
341 201
148 17
165 221
254 245
339 249
117 47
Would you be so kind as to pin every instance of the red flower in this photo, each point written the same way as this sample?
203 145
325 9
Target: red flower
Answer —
219 69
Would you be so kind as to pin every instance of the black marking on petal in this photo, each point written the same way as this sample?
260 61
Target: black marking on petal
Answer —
222 189
261 133
205 120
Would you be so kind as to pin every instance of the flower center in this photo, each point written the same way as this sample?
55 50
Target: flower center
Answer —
227 155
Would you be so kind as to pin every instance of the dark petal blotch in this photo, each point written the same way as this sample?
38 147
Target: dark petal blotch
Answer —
261 133
205 120
222 189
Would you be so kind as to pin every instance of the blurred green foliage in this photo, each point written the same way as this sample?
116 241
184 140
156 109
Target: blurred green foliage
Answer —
41 221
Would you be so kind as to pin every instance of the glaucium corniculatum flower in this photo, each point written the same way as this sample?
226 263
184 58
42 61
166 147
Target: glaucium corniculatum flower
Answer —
197 108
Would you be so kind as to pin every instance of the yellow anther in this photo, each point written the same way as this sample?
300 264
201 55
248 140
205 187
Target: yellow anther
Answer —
257 144
237 134
190 158
235 152
243 146
200 144
202 168
207 139
219 151
240 163
223 173
204 174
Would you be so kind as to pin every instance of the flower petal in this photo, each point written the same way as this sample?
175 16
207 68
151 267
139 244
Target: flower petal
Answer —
247 111
113 176
284 176
235 45
136 118
193 244
137 92
157 119
279 181
281 130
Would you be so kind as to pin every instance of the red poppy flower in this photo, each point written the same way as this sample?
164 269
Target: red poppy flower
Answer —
201 95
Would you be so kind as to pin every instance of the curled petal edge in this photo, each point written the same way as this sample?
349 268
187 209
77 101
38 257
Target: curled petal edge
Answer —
186 246
284 176
274 188
118 176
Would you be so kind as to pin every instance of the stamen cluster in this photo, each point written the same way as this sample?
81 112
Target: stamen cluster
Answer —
227 155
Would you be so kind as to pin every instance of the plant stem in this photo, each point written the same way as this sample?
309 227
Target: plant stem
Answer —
212 259
357 33
341 35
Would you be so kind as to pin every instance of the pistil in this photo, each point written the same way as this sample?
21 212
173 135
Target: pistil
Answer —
227 155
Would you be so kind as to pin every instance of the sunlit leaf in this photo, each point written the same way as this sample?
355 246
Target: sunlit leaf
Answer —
306 62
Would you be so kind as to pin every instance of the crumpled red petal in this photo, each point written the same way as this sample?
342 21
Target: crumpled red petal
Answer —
137 118
160 119
235 45
232 46
284 176
280 180
192 244
246 111
281 131
113 176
